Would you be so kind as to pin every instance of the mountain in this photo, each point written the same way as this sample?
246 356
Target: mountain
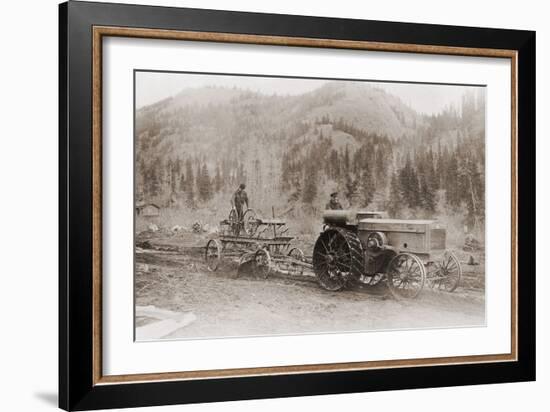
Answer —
366 107
207 140
205 119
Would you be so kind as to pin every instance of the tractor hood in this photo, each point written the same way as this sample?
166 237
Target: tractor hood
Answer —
339 217
349 217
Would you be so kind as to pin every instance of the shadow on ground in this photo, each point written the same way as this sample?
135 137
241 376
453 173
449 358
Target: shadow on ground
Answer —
49 398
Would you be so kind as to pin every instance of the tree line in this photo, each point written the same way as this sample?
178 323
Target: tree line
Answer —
439 169
419 176
186 182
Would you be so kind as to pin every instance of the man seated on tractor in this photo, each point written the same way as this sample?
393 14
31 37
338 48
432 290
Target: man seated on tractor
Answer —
239 199
334 203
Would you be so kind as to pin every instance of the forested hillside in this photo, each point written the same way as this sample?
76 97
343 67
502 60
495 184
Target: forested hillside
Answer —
192 151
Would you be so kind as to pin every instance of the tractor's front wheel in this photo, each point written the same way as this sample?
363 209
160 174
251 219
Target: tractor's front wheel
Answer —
405 276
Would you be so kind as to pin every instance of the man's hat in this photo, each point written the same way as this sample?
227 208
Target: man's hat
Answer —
242 186
333 194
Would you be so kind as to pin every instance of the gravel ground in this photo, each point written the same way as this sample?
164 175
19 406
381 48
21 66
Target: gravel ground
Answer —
232 302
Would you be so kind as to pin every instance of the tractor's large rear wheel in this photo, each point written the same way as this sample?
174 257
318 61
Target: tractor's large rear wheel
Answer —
337 258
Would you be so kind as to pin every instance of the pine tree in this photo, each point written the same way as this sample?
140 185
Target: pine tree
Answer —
351 186
189 185
285 172
409 185
431 174
153 180
310 185
380 167
367 187
205 184
427 195
198 180
404 182
471 189
297 192
182 183
395 202
218 180
334 165
346 160
173 177
414 190
452 189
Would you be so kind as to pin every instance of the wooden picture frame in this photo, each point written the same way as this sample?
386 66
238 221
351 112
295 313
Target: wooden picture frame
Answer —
82 385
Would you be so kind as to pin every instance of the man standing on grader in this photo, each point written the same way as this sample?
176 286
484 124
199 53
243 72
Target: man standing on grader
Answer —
238 200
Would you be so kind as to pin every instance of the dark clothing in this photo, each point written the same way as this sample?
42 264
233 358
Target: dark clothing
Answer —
240 199
334 205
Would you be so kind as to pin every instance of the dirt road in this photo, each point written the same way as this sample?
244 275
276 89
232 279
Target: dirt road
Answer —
232 303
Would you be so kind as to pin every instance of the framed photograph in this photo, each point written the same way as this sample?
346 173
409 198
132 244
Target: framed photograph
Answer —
256 205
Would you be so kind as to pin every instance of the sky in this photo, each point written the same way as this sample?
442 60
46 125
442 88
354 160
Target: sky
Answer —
424 98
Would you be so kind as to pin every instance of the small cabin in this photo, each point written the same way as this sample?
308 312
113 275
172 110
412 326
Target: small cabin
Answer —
147 210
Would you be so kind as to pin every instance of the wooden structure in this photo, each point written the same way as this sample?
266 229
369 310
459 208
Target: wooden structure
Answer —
253 239
147 210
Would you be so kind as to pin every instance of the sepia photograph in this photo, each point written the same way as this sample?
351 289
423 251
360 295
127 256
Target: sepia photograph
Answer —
268 205
260 205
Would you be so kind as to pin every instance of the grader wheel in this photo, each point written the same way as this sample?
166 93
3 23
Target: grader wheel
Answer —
250 222
337 258
234 223
213 254
262 260
296 254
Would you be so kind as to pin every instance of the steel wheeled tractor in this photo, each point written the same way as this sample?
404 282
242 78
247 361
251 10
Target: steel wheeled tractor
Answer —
364 247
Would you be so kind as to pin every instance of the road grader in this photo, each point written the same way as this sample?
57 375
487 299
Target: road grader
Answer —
368 248
252 239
